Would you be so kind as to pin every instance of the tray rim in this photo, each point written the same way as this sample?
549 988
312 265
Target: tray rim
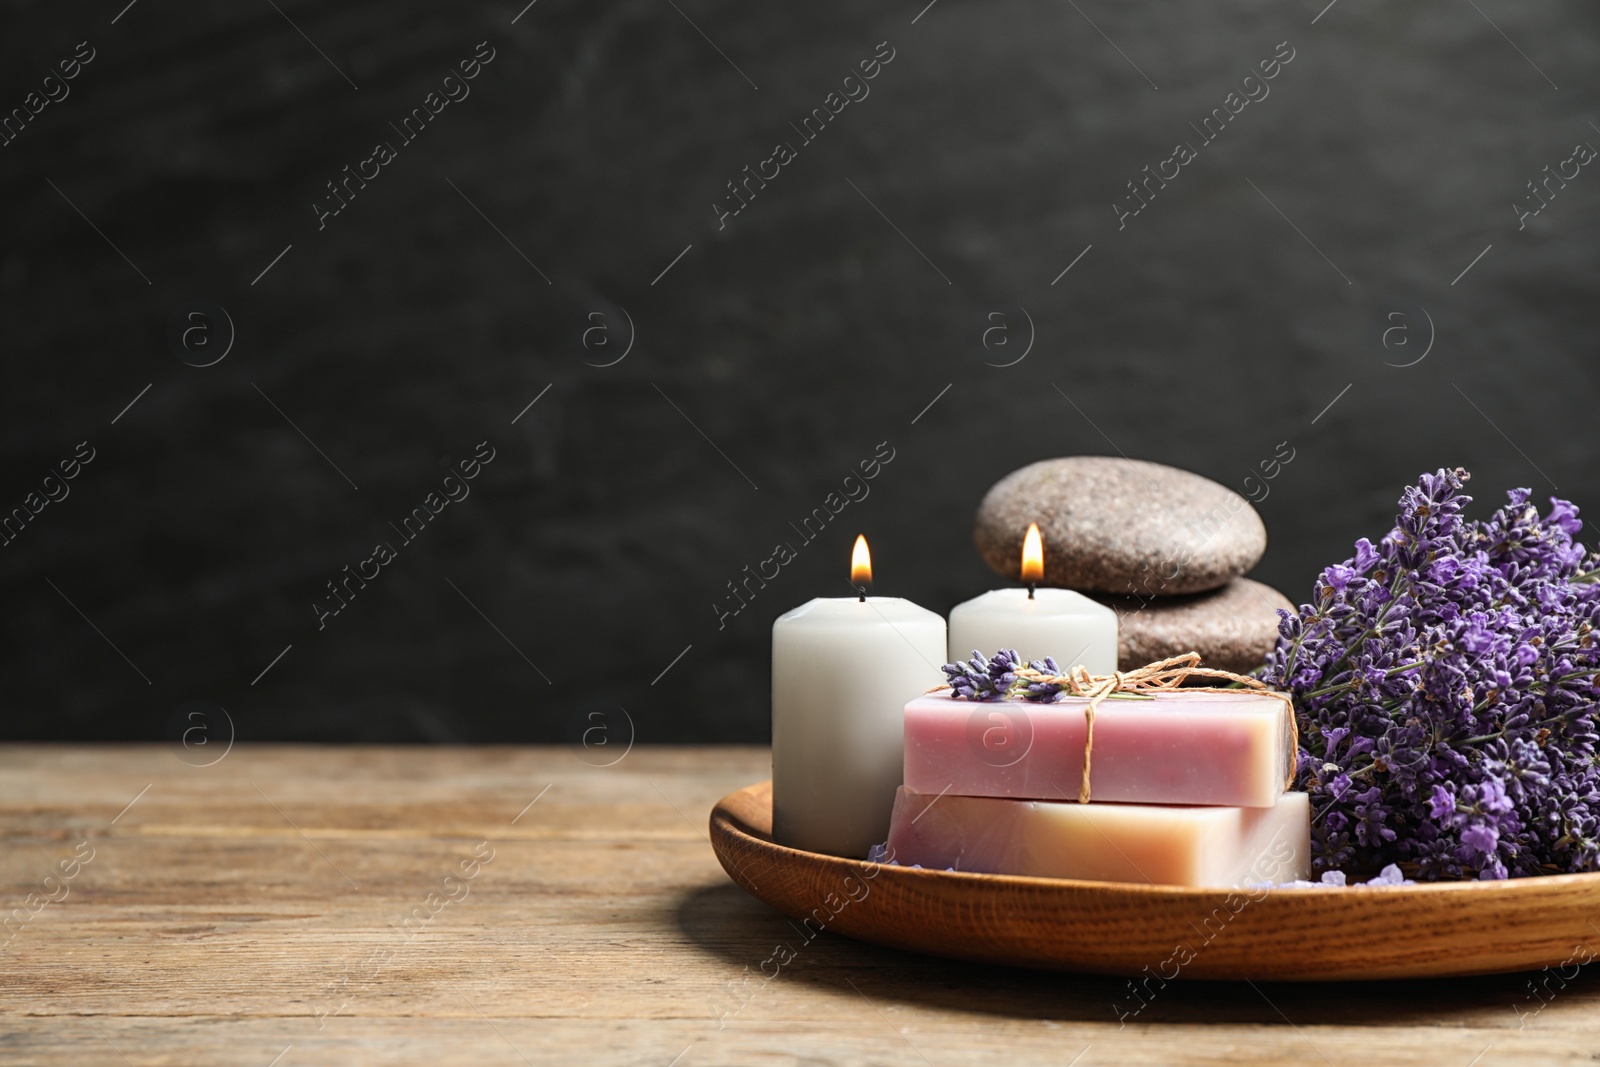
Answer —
731 832
1465 885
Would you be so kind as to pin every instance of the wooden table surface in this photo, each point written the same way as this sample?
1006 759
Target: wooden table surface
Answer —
296 905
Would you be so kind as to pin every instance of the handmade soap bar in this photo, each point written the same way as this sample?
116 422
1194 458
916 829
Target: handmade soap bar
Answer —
1178 747
1144 843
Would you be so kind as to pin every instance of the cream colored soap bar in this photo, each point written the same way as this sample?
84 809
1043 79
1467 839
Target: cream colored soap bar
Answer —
1143 843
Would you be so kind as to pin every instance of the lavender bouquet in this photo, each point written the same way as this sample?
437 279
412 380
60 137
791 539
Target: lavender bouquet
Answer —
1446 683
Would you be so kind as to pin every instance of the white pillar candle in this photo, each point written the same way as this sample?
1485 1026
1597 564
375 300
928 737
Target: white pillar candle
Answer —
1037 622
1056 622
843 671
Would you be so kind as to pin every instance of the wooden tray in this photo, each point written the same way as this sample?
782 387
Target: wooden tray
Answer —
1434 929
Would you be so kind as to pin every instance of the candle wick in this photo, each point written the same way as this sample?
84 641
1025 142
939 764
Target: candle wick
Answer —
1030 590
863 591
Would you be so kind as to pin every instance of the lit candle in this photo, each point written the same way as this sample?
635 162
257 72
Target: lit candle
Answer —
1037 622
843 670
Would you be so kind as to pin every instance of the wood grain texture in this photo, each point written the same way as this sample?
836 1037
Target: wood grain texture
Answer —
213 925
1442 929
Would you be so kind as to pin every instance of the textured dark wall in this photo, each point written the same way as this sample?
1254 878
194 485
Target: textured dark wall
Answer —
456 287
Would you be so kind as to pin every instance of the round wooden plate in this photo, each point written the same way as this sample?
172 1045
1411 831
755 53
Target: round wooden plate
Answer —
1428 930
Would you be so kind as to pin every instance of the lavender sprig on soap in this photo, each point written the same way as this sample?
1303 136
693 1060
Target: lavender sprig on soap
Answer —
996 678
1446 683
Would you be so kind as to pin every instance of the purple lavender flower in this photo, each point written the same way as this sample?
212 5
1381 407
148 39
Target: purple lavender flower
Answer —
1045 692
1446 683
983 679
995 678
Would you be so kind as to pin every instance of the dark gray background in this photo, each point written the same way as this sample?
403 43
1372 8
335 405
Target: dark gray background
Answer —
797 338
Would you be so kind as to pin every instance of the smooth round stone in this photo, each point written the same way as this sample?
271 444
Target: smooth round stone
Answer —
1233 628
1120 526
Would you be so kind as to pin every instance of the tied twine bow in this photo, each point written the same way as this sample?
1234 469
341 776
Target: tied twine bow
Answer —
1159 677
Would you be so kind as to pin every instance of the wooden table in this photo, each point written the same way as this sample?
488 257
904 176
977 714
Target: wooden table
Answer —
296 905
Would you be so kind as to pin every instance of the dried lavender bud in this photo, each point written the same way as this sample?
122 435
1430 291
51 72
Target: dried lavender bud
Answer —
984 679
1445 682
971 680
1003 669
996 678
1045 692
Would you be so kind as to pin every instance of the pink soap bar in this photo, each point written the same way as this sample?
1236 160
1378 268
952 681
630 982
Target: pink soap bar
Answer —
1170 748
1144 843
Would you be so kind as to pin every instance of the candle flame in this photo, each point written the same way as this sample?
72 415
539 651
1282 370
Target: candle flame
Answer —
860 563
1032 555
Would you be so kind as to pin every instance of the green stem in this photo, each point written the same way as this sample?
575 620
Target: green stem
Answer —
1390 673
